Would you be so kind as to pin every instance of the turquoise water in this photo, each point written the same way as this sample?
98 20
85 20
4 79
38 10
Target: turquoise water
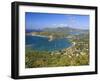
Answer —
43 43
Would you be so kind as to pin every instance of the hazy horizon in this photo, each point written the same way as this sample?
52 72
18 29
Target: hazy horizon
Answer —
54 28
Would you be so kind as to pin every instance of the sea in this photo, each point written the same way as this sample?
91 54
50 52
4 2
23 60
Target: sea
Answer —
44 44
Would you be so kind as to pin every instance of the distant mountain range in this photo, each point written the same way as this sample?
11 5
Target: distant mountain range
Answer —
67 29
58 29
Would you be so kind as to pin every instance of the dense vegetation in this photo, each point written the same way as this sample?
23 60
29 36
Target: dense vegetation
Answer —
45 59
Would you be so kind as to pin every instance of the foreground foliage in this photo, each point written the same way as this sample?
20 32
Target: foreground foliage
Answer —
46 59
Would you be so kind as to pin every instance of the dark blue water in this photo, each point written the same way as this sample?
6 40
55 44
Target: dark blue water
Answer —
43 43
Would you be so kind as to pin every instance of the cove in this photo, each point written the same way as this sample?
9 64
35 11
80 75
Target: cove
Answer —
43 44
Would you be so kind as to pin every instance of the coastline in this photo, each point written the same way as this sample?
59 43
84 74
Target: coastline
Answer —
37 35
50 37
65 50
57 51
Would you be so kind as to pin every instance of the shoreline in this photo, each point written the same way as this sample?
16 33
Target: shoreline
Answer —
65 49
50 37
37 35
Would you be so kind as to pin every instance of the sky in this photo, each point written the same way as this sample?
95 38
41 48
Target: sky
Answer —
51 20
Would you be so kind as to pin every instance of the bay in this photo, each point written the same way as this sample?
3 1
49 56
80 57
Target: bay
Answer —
43 44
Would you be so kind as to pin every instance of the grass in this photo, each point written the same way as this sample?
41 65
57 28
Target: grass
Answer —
45 59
